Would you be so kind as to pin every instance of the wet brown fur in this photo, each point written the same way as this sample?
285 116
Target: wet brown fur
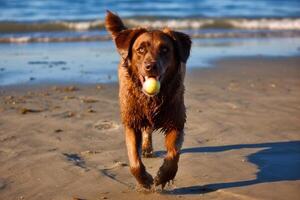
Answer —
164 111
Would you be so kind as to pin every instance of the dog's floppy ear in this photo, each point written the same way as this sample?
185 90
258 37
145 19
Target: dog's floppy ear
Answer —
124 40
122 36
183 43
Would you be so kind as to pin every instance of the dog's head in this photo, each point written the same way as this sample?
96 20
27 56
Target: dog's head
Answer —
150 53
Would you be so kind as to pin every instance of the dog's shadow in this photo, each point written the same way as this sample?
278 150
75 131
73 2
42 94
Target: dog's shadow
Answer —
278 161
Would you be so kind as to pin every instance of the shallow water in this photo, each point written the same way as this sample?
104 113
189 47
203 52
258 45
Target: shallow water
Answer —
96 62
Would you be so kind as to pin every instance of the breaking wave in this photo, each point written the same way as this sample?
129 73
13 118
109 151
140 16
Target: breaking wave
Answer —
24 32
201 23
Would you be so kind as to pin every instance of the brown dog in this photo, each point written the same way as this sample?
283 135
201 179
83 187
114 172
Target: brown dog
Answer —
160 54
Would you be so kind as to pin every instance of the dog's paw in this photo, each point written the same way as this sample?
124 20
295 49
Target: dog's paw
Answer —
147 181
143 178
162 180
166 173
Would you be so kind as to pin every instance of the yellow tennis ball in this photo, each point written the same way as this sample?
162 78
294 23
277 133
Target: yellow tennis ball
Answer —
151 86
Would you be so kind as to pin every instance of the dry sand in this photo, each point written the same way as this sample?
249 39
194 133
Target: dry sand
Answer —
242 138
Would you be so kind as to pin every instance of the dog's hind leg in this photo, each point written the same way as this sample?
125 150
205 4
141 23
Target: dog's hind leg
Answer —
133 143
147 149
168 170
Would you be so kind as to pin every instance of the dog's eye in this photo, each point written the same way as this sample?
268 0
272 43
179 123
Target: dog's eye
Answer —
164 50
141 50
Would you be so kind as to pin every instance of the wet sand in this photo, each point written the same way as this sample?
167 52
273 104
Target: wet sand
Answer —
242 138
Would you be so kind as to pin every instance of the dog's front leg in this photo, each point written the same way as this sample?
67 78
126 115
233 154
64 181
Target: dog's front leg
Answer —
147 149
133 143
168 170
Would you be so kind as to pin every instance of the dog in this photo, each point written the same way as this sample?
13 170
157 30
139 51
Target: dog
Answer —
161 55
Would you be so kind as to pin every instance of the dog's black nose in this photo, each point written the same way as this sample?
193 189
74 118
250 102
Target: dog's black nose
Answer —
150 66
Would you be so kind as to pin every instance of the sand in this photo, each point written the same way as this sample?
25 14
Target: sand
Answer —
242 138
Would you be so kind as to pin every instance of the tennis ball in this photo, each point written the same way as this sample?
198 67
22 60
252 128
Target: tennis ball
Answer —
151 86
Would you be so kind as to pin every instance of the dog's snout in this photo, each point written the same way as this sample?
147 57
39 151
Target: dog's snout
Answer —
150 66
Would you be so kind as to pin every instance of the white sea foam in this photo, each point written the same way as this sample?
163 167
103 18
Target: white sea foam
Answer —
270 24
18 40
81 26
249 24
66 31
199 23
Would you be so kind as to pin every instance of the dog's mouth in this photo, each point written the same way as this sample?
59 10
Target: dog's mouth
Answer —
145 78
150 85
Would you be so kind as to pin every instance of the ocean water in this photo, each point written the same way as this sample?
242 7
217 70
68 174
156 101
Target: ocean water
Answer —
83 20
61 41
50 10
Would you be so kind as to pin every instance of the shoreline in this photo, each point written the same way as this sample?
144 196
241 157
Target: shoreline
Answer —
211 65
94 62
241 137
214 65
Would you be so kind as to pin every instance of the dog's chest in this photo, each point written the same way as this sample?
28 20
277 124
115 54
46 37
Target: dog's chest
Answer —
143 112
150 110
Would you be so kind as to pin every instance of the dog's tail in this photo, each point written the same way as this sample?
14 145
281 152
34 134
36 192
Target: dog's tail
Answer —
113 23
